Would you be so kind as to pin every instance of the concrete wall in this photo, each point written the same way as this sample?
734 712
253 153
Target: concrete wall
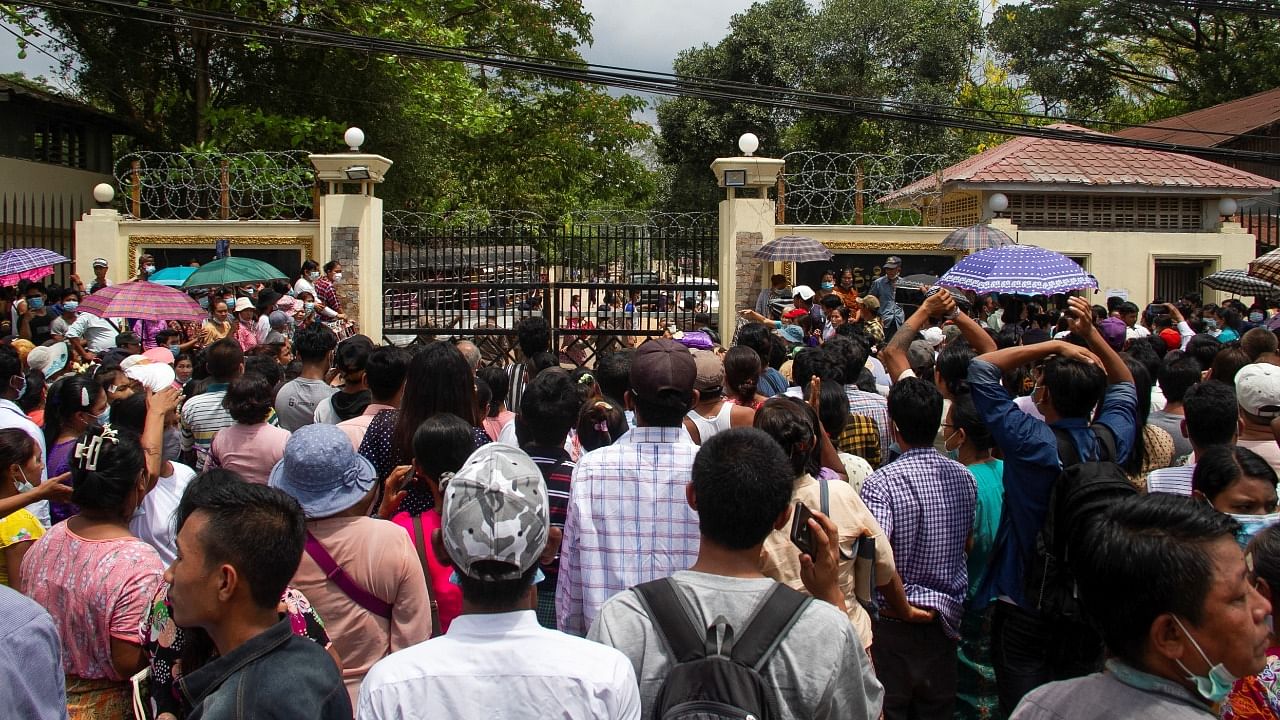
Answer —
34 178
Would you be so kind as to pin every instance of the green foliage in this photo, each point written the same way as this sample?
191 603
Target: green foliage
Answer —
1131 61
916 51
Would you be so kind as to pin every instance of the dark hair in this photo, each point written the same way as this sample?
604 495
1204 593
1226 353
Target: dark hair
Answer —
742 482
952 366
833 409
1212 415
1221 466
127 338
613 372
16 448
794 427
1143 350
533 335
442 443
541 361
1227 364
1257 342
484 397
249 399
130 413
496 378
313 343
850 352
162 337
353 355
1152 551
1178 372
258 530
1264 551
119 465
33 393
597 413
329 266
439 380
65 399
811 362
386 369
663 409
10 365
1075 387
964 415
223 359
1204 348
1231 318
495 594
758 338
831 302
549 407
741 372
915 406
1142 383
308 266
264 365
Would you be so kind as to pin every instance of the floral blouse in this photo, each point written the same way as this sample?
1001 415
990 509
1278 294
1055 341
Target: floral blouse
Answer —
1257 696
172 649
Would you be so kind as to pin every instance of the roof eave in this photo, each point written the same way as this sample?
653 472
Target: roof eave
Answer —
1113 189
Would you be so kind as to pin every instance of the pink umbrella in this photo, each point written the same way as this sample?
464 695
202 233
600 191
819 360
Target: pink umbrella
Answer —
27 264
143 300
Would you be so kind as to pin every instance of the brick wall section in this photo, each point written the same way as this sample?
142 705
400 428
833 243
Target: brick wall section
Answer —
344 247
747 268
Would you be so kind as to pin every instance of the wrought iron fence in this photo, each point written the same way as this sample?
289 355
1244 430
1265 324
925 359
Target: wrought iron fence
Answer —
603 280
828 188
263 185
45 221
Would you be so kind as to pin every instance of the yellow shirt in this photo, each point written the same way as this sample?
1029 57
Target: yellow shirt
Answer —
19 527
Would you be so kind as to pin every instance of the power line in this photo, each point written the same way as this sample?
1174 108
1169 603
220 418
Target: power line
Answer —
643 81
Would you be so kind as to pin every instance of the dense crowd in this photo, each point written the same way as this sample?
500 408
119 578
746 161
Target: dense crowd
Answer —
986 507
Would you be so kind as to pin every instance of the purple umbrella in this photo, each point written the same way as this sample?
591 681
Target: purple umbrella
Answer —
1021 269
27 264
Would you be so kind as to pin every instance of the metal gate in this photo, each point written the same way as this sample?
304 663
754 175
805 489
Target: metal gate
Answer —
603 281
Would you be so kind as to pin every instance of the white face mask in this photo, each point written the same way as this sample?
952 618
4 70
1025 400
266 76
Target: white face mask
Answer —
314 275
337 277
24 486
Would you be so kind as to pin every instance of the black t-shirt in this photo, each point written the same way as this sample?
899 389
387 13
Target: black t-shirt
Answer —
40 332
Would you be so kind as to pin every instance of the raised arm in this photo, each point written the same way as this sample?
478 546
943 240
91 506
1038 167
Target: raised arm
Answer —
1080 323
894 354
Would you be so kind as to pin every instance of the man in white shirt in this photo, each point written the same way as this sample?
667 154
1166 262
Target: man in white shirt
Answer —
90 335
496 661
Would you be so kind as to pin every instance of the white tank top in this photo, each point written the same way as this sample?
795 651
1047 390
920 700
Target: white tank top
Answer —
708 428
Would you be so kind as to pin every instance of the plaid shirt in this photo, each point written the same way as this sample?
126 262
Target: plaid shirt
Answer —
928 547
874 406
328 294
861 437
628 521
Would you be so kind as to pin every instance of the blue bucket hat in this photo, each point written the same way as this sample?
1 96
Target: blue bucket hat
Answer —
792 333
322 471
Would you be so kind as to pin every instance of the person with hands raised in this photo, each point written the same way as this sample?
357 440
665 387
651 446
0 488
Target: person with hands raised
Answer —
935 307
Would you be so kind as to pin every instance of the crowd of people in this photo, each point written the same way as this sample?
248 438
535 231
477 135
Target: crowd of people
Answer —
988 507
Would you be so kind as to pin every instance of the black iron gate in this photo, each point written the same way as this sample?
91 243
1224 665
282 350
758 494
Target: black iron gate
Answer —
602 282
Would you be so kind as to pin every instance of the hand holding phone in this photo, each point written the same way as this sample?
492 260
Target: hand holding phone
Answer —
801 533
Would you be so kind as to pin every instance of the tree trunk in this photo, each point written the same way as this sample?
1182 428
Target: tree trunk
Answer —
200 46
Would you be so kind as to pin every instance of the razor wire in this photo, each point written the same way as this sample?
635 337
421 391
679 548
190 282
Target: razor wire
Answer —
260 185
826 188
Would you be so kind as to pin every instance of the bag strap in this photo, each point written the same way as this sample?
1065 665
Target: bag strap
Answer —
824 500
345 583
1068 455
769 624
420 544
672 619
1106 442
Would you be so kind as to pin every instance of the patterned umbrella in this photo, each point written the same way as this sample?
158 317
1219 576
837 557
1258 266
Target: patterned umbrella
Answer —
794 248
172 276
1267 267
27 264
142 300
919 281
976 237
233 271
1021 269
1238 282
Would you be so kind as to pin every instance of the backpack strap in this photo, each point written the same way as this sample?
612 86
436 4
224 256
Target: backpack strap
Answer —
769 624
672 619
420 544
1106 442
1068 455
345 582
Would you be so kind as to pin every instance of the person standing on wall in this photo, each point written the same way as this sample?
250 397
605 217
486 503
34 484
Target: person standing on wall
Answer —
885 289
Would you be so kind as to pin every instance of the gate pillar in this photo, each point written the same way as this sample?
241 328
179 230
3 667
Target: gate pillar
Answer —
746 223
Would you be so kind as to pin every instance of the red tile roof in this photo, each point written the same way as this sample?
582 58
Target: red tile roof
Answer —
1040 161
1212 126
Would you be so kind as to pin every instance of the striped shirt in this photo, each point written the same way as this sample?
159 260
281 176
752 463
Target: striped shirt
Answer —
201 418
1172 480
628 521
925 503
557 471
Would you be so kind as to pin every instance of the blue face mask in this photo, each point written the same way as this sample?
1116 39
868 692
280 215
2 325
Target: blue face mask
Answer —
70 306
828 286
204 303
309 307
35 303
176 350
1251 525
1214 687
1255 317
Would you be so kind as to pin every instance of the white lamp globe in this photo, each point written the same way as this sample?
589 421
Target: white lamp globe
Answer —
998 202
104 193
354 138
1227 206
748 143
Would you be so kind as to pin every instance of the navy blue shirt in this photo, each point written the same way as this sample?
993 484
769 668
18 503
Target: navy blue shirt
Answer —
1031 465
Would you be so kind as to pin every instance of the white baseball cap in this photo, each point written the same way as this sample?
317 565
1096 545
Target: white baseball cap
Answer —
805 292
1258 389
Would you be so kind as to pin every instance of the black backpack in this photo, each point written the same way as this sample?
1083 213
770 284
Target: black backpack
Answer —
717 672
1079 495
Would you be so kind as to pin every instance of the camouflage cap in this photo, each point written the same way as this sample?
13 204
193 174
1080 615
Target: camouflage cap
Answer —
495 509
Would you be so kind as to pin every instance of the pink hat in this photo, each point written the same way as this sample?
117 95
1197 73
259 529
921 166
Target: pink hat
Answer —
160 355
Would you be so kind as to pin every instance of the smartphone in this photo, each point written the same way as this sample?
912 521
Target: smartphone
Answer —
801 533
864 575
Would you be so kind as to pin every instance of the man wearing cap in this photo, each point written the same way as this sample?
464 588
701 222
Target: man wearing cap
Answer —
628 521
885 289
869 316
100 280
777 290
361 574
496 661
146 267
1258 394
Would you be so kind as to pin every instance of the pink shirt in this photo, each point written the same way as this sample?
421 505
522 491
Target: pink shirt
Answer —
493 425
95 590
448 596
251 450
356 427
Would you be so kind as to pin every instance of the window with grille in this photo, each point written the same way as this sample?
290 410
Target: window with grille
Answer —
1175 278
1105 213
960 209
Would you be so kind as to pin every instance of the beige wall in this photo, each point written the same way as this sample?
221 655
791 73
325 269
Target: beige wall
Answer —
34 178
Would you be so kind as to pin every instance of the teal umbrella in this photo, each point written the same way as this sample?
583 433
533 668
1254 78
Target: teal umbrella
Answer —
233 271
172 276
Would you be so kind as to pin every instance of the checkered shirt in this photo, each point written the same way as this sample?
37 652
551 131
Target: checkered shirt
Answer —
861 437
928 547
328 294
628 521
874 406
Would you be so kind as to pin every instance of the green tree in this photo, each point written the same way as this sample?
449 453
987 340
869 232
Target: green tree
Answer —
1133 61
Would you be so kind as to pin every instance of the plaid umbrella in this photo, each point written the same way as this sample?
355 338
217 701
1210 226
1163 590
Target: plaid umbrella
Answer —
1267 267
976 237
27 264
794 248
144 301
233 270
919 281
1021 269
1238 282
